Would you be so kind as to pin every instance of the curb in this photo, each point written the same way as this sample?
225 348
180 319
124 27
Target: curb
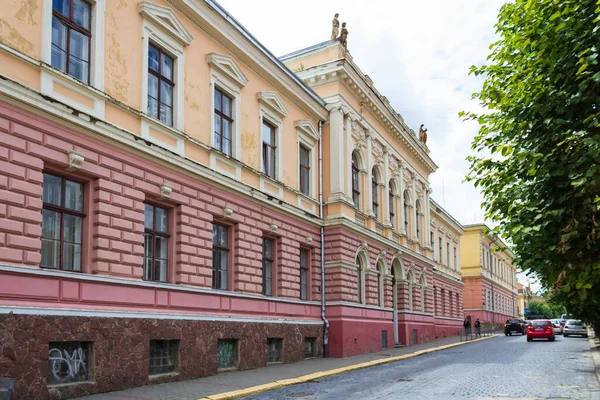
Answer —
595 357
324 374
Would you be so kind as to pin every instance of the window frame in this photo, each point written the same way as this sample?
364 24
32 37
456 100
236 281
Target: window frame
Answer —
153 233
172 347
216 272
159 75
62 210
405 206
268 282
70 24
392 200
375 193
307 269
273 147
229 118
355 182
304 169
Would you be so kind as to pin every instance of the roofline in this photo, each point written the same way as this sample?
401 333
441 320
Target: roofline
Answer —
237 25
447 213
305 50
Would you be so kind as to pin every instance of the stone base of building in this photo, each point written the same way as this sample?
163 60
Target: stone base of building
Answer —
59 357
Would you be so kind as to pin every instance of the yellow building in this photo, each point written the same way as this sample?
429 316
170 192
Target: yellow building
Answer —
524 298
490 291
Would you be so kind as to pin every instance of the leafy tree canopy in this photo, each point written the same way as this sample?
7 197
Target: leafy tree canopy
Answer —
537 150
547 309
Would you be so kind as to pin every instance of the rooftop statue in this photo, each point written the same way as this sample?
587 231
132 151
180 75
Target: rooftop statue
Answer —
335 29
344 36
423 134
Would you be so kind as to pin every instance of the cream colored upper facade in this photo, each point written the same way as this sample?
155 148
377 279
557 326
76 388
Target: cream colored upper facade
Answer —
210 51
445 237
390 195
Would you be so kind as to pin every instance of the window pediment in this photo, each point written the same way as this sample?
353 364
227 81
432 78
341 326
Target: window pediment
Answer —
166 19
307 127
273 102
226 65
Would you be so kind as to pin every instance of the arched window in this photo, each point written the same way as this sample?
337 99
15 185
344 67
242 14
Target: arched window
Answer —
355 182
405 196
391 199
380 291
418 219
422 284
375 192
359 275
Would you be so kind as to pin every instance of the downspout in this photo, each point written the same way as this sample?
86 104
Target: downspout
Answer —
325 321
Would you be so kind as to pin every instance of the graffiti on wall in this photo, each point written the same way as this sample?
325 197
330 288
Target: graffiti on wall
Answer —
68 362
227 353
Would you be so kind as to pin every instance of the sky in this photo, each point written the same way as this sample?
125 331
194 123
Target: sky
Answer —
418 54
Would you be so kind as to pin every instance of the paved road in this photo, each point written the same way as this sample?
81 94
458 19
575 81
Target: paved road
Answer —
504 367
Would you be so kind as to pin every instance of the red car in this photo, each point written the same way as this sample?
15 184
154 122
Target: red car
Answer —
540 329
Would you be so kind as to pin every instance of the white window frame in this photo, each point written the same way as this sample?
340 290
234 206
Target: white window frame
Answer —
307 136
98 9
272 111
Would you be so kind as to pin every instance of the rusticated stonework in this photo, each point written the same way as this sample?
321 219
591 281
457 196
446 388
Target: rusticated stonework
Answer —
120 349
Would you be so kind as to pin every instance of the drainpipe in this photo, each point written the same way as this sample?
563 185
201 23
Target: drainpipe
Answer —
325 321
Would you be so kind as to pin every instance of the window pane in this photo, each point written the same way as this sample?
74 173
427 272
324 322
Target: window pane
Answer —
161 248
223 237
59 35
148 216
270 162
162 220
79 46
166 114
52 189
62 6
81 13
227 146
59 59
166 94
50 238
152 107
267 134
227 106
218 99
153 55
78 69
71 257
303 284
304 156
268 248
226 129
167 67
160 271
72 229
74 195
72 243
223 275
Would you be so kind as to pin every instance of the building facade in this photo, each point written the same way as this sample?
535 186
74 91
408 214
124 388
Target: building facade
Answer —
490 291
525 297
159 202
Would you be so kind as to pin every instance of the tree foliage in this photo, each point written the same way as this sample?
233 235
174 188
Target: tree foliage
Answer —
536 154
547 309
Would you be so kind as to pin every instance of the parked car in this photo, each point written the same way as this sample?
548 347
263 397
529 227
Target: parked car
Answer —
575 327
540 329
514 325
558 326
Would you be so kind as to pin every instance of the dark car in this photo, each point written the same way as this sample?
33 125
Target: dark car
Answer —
514 326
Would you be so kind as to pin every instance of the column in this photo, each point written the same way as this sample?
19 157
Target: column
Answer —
368 167
413 195
348 162
386 186
336 157
427 218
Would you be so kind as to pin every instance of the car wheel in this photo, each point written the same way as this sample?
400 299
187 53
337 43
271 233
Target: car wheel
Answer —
505 334
552 339
565 335
529 339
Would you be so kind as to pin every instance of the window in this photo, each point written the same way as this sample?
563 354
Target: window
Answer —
163 356
448 254
268 148
355 182
405 212
274 350
156 237
227 353
220 250
310 347
62 221
71 36
359 271
160 85
391 201
375 193
223 122
432 243
455 259
304 170
418 220
441 248
69 362
268 267
304 271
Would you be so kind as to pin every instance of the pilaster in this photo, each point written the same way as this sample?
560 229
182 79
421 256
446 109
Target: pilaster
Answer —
336 157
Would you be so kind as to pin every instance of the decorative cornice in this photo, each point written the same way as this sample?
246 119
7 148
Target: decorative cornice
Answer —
273 102
167 20
308 127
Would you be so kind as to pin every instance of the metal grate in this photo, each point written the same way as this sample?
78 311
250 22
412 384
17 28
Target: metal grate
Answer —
68 362
163 356
310 347
274 350
227 353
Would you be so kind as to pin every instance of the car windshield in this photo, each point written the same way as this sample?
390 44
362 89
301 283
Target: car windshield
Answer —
576 322
540 323
513 321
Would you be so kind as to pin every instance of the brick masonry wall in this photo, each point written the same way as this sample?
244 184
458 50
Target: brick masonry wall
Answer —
117 183
24 348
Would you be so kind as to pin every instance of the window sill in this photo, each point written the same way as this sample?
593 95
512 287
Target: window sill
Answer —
166 374
58 385
229 369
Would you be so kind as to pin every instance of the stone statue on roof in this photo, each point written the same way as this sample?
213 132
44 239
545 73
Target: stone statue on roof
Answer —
344 36
423 134
335 29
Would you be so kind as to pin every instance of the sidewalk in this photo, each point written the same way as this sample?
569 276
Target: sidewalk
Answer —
270 377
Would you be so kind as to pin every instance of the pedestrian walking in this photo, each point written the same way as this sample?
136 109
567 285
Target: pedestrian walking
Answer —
467 325
477 328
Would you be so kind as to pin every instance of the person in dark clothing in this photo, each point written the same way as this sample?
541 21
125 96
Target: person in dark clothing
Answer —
467 325
477 328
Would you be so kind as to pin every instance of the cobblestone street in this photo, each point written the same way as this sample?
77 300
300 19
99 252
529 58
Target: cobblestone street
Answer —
504 367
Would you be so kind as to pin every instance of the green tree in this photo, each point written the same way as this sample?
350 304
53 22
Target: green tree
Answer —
536 154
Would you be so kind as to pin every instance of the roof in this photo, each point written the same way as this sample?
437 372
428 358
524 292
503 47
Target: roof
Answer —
305 50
